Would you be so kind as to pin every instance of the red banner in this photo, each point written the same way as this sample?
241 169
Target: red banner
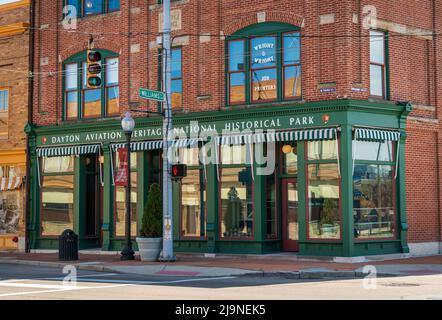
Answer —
123 169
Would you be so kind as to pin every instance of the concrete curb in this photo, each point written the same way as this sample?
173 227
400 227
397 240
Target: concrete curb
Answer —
280 274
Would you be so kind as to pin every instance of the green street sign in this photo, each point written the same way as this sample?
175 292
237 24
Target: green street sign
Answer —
152 95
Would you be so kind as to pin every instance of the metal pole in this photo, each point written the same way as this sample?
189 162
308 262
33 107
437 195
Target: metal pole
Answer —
167 253
128 253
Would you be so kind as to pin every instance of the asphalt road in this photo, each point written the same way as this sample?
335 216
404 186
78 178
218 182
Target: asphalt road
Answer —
30 283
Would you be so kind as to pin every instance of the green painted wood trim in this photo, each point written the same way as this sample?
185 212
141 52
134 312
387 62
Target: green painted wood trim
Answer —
259 203
79 203
346 152
302 193
212 208
108 203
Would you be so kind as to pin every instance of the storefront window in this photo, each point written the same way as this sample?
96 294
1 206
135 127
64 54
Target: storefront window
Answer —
373 150
322 150
236 193
290 161
373 206
120 203
237 154
193 202
324 217
10 208
58 164
57 204
120 200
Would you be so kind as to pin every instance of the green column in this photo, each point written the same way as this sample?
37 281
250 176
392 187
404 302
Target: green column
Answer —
212 214
34 224
302 196
346 152
108 207
259 205
401 195
79 205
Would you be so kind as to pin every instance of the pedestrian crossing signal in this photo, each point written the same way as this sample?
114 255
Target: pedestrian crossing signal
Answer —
179 171
93 69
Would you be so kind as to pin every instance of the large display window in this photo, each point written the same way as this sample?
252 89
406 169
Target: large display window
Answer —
373 190
236 192
57 195
323 191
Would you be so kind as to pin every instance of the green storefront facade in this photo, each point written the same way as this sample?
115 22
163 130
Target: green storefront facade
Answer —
330 194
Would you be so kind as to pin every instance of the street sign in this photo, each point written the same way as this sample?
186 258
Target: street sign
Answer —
152 95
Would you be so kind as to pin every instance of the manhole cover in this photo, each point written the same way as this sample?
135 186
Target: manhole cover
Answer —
401 285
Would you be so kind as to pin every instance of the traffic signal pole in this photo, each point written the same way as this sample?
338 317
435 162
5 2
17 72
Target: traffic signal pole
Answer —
167 253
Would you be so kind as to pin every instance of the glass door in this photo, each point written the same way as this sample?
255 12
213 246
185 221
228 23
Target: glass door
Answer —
290 224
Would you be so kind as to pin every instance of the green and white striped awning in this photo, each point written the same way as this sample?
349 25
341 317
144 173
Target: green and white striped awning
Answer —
139 145
185 143
68 151
298 135
363 134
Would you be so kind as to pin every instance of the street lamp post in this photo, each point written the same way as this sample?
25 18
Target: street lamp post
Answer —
128 125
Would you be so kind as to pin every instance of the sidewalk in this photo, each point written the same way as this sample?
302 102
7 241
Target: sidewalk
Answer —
193 265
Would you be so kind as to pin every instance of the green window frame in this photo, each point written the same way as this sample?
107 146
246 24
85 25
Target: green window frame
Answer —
271 75
103 7
75 90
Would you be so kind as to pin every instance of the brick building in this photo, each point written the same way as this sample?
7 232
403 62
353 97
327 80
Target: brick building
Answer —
14 66
343 95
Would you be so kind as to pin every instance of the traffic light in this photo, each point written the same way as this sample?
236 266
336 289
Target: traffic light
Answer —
179 171
94 69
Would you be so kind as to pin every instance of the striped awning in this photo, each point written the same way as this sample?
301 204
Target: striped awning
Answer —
185 143
363 134
298 135
10 183
139 145
68 150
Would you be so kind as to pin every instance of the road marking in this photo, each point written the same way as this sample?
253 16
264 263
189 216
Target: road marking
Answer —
135 282
119 283
67 288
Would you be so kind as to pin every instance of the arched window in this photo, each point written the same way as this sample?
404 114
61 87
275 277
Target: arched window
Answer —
81 102
264 64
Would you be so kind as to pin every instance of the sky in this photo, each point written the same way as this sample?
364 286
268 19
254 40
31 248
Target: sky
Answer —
7 1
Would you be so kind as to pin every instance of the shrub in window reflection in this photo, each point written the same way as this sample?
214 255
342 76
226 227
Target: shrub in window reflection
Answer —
330 214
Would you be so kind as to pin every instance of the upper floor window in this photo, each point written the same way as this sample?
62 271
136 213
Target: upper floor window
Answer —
4 100
80 101
378 63
176 68
264 64
91 7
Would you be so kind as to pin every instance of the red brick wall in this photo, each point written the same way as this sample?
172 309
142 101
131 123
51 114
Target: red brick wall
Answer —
414 67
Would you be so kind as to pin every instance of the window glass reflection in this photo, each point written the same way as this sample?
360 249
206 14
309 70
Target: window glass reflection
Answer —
57 204
193 199
120 204
236 154
58 164
264 84
236 203
322 150
373 150
263 52
373 202
324 217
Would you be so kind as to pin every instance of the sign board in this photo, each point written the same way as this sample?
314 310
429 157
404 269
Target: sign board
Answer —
123 168
152 95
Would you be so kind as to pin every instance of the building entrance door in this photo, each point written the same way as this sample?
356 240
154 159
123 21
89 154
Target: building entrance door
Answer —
92 197
290 225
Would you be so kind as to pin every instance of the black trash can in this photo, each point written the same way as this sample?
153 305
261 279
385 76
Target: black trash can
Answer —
68 246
